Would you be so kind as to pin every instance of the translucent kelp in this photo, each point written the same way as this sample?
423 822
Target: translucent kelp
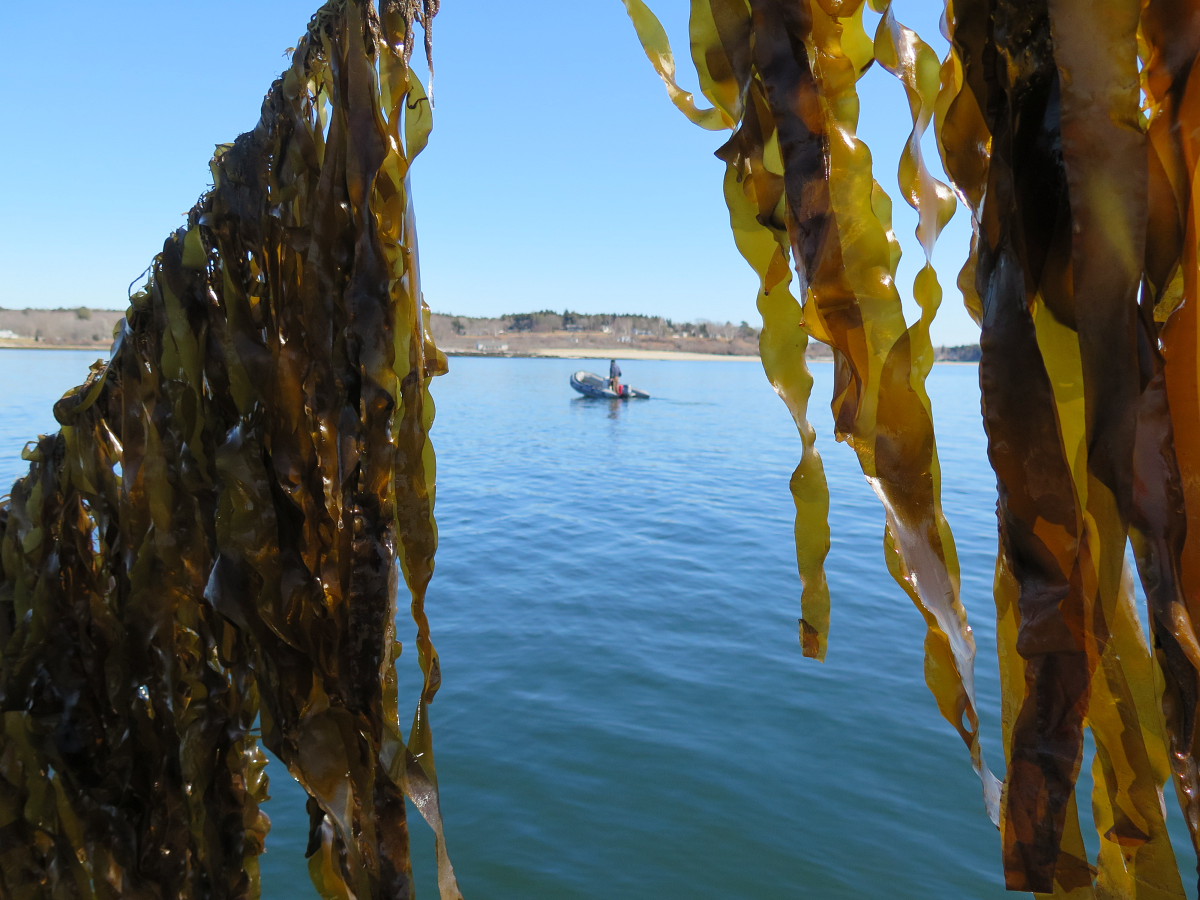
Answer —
211 539
799 186
1069 131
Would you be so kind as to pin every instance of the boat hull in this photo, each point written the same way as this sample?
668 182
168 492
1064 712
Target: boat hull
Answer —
592 385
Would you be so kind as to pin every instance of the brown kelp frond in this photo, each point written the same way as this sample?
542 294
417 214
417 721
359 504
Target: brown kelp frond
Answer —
414 12
1065 384
800 191
1083 276
212 536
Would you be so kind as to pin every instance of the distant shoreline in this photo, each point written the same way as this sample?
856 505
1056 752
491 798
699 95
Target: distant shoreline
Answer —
20 344
587 353
646 355
546 353
544 335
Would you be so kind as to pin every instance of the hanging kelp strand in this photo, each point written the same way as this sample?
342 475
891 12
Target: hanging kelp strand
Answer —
212 536
1083 278
1061 381
796 174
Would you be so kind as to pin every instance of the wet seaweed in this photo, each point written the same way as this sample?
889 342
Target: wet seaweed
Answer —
1067 130
207 554
204 556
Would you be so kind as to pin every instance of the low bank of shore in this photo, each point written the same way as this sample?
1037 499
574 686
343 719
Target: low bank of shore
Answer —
23 344
586 353
678 355
546 353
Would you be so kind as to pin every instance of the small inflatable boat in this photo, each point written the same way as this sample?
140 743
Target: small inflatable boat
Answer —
591 385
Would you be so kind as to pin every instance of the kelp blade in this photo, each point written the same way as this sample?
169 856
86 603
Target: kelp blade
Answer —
784 74
213 534
1090 412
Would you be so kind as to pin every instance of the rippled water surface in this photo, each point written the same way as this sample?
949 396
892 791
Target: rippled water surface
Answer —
625 710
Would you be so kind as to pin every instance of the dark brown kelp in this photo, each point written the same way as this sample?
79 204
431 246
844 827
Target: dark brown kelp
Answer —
1069 130
1057 272
212 536
1167 489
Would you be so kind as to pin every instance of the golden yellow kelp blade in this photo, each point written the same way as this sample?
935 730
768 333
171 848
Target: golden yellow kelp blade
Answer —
658 50
799 185
213 535
781 345
754 195
881 407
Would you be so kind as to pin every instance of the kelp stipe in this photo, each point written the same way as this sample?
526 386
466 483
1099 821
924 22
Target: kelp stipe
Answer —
1068 131
212 537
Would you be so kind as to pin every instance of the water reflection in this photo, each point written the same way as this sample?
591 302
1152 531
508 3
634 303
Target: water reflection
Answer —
614 405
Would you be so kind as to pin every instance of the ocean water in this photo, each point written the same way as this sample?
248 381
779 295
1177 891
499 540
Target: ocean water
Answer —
625 709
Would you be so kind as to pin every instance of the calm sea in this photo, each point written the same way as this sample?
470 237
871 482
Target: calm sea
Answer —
625 710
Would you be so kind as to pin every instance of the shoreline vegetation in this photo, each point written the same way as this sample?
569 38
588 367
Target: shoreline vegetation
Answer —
570 335
83 328
541 334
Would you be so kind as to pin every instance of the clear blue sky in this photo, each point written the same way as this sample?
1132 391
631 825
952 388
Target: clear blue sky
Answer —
559 175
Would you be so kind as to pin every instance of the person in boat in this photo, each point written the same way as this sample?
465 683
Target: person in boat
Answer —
614 377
